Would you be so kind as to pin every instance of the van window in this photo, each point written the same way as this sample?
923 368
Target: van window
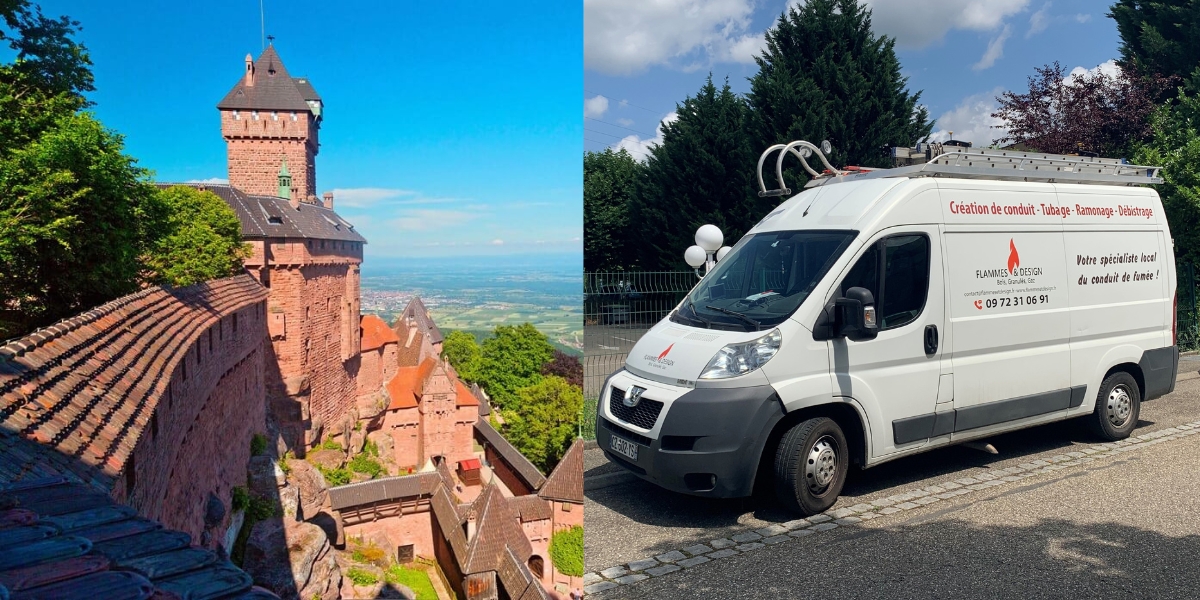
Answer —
764 278
901 291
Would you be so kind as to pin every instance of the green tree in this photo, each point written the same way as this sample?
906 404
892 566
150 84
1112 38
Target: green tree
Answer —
825 76
703 172
511 359
201 239
47 59
1175 146
461 349
1158 37
544 422
609 185
566 551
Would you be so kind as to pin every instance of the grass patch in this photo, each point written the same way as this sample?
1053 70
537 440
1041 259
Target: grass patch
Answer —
329 444
258 444
283 463
566 551
335 477
361 576
416 579
363 463
369 553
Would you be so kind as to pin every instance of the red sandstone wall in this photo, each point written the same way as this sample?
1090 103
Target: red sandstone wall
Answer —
413 528
406 442
198 441
256 149
370 371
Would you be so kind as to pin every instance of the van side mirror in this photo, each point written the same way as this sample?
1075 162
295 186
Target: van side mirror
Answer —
855 315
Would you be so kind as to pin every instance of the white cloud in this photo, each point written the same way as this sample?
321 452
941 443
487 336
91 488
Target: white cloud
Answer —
918 23
1039 21
595 106
623 37
429 219
639 148
1082 18
972 120
745 48
497 242
995 50
364 197
1109 68
624 122
210 181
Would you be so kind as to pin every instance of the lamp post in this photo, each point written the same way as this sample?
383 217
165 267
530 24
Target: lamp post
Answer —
707 251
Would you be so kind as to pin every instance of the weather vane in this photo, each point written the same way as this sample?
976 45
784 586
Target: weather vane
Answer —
271 40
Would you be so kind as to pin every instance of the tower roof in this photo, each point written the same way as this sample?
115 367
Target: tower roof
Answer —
270 87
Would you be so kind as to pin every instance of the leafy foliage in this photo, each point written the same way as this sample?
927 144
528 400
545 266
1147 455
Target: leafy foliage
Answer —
511 359
1175 146
566 551
361 576
703 172
335 476
566 366
1092 112
240 498
258 444
825 76
363 463
609 187
46 56
415 579
1158 37
543 425
463 352
201 240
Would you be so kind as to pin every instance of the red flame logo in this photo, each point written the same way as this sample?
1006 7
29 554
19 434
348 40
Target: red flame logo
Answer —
1014 260
664 353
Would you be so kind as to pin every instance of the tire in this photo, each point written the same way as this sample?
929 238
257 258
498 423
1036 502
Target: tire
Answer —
810 466
1118 405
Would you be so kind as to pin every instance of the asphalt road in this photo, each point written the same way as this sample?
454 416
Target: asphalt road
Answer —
1127 527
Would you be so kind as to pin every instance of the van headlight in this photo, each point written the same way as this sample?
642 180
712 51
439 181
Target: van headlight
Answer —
739 359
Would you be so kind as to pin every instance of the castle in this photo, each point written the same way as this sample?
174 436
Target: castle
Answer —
139 414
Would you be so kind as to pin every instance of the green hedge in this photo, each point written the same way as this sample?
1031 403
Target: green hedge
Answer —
566 551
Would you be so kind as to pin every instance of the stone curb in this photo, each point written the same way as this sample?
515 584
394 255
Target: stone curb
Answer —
753 539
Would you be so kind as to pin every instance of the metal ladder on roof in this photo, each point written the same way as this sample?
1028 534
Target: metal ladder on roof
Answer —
965 163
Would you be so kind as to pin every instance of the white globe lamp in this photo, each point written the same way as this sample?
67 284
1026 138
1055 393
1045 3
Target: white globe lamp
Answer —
722 252
695 256
709 238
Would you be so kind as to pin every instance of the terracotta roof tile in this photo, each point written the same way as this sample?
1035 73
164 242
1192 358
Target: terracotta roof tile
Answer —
78 394
408 385
496 528
463 395
69 542
565 483
410 355
376 333
531 508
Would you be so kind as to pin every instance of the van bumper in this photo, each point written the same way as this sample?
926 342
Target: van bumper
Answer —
709 443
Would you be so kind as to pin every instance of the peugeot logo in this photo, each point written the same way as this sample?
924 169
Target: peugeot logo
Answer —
633 395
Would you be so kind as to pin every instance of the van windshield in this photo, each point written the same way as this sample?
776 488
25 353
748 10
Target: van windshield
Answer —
763 279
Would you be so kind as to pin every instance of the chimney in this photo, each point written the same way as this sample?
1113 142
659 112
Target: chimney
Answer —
294 198
327 201
249 71
311 199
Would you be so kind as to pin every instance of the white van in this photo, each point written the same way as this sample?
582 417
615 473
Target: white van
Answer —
885 313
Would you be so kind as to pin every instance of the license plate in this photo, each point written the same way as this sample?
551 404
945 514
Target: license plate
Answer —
623 447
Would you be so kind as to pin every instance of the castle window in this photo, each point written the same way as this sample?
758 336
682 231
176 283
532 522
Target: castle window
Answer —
254 115
130 477
236 116
274 116
235 323
293 115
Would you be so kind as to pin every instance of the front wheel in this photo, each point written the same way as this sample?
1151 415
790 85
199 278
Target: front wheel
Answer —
1117 407
810 466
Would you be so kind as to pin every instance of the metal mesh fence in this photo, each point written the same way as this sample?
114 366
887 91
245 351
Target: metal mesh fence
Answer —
618 308
1187 325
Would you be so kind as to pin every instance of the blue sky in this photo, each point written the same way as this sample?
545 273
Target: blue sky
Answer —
451 128
642 57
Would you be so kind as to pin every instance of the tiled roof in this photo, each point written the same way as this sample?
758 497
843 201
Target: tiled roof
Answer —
530 508
406 387
273 89
517 580
410 355
524 469
496 528
416 310
76 396
67 541
274 217
376 333
383 490
463 395
565 483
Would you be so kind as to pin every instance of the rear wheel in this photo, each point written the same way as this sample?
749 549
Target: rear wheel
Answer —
810 466
1117 407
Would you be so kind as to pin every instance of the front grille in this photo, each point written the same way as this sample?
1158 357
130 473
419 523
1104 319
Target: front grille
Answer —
643 415
632 436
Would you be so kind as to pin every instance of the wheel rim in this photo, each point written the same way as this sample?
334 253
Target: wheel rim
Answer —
1120 406
820 467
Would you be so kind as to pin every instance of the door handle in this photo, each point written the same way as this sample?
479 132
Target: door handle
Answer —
931 340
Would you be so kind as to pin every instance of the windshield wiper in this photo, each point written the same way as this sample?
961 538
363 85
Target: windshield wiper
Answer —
757 326
692 305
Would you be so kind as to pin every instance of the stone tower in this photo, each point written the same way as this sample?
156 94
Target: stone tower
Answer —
267 119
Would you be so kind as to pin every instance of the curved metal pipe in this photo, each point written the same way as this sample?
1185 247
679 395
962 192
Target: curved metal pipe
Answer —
761 159
810 146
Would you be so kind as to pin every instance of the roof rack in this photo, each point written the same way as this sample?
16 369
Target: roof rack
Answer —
971 163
